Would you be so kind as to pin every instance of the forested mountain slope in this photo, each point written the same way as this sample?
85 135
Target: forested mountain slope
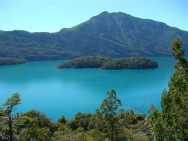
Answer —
113 35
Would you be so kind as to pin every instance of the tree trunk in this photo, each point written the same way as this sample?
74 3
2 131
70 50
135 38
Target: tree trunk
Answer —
10 127
112 130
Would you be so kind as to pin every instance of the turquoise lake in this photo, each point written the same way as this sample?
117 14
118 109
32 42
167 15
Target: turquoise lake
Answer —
65 92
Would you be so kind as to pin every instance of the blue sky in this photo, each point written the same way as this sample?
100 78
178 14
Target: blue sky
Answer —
53 15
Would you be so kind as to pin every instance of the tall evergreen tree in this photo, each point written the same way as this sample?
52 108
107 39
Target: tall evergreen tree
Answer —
173 119
109 108
10 104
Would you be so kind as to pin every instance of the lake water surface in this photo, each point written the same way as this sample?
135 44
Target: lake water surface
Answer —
65 92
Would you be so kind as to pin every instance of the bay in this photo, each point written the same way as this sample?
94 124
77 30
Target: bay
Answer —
65 92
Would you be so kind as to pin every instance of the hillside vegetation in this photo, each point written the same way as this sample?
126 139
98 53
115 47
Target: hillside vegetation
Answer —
112 123
114 35
11 61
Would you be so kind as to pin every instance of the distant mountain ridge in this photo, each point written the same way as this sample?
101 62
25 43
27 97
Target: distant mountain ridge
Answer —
113 35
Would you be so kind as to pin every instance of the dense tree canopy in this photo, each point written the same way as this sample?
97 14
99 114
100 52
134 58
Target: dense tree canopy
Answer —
106 124
171 122
85 62
11 61
107 63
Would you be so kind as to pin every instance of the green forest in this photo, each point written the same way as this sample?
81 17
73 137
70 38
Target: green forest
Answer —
114 35
111 121
11 61
110 64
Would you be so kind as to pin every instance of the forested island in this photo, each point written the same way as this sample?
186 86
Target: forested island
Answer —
110 64
11 61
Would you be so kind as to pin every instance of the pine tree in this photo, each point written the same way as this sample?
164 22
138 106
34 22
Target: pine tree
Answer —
10 105
173 119
109 108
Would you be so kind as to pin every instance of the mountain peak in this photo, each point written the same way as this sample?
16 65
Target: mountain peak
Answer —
104 13
113 35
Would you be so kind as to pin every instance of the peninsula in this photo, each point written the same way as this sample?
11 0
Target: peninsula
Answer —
11 61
